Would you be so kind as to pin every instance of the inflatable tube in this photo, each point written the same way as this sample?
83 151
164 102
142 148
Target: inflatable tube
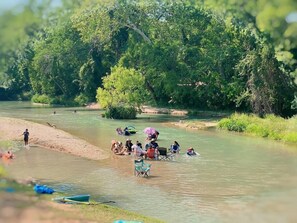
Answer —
131 129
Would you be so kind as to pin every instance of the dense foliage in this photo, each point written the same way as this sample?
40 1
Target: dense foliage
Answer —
120 112
272 127
211 54
122 87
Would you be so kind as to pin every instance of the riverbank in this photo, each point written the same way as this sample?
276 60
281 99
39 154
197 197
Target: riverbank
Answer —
271 126
187 124
195 125
49 137
148 109
20 204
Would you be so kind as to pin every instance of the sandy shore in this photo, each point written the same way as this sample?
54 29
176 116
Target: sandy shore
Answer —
31 209
149 109
198 125
152 110
49 137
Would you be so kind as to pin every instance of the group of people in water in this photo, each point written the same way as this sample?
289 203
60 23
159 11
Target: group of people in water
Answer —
150 150
119 149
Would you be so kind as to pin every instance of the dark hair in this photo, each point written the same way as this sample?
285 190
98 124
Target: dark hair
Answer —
176 143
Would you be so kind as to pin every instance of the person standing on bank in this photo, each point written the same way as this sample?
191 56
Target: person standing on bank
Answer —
26 137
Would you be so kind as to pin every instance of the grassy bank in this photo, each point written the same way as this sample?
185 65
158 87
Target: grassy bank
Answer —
20 202
271 126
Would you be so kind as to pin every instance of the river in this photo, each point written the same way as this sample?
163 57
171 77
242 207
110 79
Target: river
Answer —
235 179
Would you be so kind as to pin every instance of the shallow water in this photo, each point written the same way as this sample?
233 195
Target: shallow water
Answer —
235 178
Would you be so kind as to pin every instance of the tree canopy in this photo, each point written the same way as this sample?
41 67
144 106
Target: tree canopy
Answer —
234 55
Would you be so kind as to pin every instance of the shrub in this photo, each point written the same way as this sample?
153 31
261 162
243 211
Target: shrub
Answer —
58 100
257 130
43 99
290 137
225 123
121 112
275 135
234 123
81 99
271 126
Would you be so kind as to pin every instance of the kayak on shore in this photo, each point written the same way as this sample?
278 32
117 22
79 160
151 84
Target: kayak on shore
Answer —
83 198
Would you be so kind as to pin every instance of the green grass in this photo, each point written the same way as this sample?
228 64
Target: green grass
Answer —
98 212
5 144
109 214
271 126
2 173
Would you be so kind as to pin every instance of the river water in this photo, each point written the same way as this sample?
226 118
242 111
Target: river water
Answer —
235 179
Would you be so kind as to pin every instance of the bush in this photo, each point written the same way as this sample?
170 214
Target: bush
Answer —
81 99
257 130
225 123
59 100
121 112
290 137
234 123
272 127
43 99
275 135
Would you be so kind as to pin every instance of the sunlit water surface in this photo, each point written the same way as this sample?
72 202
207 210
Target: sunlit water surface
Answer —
235 178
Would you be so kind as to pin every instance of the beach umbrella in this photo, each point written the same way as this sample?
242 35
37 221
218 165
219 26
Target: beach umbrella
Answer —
149 130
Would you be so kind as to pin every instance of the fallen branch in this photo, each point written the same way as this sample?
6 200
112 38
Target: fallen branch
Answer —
51 125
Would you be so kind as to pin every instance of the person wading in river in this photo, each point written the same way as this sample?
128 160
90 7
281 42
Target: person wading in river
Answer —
26 137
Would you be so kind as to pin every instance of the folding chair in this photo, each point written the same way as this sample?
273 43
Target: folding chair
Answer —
141 168
163 155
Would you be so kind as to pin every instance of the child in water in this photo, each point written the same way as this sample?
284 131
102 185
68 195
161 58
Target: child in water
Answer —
7 155
191 152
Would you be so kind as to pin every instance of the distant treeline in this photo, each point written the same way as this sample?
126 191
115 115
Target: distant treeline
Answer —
210 54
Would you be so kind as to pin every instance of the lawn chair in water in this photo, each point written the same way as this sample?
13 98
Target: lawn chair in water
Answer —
164 155
141 168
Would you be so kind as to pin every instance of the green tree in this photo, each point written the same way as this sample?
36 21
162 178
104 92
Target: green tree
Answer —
123 87
266 16
17 27
190 66
58 58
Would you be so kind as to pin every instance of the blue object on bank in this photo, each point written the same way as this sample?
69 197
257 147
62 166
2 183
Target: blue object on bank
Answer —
9 190
43 189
